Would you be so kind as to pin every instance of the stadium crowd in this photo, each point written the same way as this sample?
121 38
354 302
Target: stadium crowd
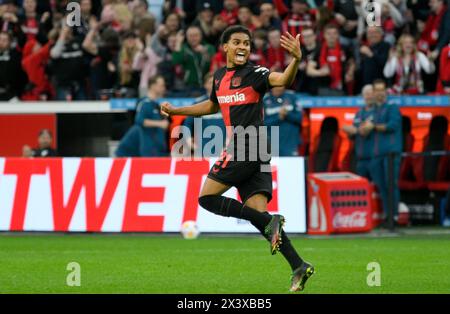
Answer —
119 45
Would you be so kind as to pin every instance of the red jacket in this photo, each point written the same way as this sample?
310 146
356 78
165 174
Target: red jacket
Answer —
276 56
230 17
258 56
430 34
444 70
219 60
34 66
294 23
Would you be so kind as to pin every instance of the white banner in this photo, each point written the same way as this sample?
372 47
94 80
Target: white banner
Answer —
130 195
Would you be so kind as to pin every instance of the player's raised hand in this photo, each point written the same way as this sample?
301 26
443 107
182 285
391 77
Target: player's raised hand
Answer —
166 109
292 45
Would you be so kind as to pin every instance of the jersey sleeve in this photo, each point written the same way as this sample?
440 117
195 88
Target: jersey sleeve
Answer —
260 79
213 96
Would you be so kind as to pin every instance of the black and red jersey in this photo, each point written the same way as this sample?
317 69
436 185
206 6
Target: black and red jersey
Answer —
239 91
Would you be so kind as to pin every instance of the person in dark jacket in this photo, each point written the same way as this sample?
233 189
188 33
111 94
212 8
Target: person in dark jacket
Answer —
387 130
44 149
281 110
12 77
67 67
373 55
363 141
148 136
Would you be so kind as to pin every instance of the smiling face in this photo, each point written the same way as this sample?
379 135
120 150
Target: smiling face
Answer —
407 44
237 49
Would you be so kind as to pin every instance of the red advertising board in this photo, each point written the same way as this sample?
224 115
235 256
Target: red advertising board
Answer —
17 130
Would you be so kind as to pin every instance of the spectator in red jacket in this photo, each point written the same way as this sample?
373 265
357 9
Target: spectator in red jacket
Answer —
443 85
29 20
430 35
299 17
276 59
219 60
335 63
34 61
230 11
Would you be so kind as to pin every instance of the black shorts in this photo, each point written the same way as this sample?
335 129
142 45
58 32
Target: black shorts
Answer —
246 176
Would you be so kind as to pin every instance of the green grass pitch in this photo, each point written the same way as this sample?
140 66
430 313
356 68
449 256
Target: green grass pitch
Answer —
36 263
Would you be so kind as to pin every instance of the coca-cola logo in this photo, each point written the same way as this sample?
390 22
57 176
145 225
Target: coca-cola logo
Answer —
356 219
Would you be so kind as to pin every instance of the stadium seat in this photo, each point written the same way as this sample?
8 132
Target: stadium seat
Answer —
325 154
406 178
432 172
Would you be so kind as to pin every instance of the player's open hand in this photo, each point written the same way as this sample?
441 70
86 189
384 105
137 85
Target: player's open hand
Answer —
292 45
166 109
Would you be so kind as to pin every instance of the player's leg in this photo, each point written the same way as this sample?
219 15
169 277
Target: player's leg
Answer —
222 176
212 200
213 187
259 202
271 227
301 270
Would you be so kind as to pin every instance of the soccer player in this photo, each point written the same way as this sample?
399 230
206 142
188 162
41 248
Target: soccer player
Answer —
238 90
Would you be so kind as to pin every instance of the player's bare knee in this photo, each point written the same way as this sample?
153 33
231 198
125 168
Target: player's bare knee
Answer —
258 202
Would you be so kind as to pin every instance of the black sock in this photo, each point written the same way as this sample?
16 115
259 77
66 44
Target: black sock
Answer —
229 207
257 218
286 248
289 252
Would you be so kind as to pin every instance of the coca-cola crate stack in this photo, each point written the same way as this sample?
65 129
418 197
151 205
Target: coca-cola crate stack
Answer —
338 203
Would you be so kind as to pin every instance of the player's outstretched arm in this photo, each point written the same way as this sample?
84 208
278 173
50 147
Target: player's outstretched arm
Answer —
292 45
204 108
